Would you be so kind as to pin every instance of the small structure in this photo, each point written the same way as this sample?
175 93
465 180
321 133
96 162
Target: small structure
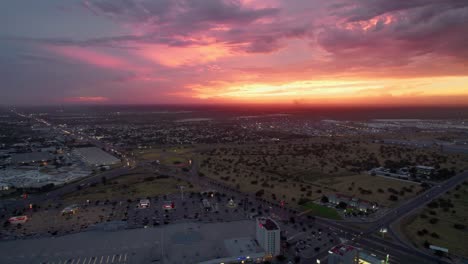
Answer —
70 210
4 186
353 202
231 203
144 203
425 171
16 220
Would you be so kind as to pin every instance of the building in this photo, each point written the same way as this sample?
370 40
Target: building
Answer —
369 258
95 156
346 254
352 202
268 236
343 254
144 203
16 220
70 210
426 171
4 186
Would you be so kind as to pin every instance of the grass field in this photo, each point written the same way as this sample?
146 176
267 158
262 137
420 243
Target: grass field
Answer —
446 234
131 186
310 168
169 157
321 211
378 186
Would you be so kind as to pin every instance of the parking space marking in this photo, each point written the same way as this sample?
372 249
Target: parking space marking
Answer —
78 261
125 257
120 256
107 261
102 257
113 257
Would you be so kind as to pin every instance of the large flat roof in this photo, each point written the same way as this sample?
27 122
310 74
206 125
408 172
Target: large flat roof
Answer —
96 156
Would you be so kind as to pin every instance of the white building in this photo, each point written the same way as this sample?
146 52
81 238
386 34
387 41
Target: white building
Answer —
268 236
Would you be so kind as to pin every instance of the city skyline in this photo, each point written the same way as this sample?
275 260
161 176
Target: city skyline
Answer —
227 52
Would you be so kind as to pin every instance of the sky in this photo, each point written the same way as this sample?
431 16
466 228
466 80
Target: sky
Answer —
292 52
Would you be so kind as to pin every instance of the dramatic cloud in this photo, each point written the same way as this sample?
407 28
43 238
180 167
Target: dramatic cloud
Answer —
190 51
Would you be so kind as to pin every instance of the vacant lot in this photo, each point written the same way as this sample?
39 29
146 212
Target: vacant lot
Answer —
306 169
372 188
170 156
322 211
443 222
136 185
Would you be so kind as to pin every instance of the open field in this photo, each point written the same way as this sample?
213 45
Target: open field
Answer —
442 223
132 186
172 156
371 188
322 211
308 168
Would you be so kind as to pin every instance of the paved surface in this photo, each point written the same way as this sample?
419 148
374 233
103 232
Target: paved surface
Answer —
178 244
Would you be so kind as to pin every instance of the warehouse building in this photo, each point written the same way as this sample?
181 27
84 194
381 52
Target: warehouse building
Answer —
95 156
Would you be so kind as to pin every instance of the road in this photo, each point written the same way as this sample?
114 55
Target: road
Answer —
360 237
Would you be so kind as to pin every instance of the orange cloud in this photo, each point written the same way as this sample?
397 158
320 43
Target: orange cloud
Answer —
180 56
86 99
453 89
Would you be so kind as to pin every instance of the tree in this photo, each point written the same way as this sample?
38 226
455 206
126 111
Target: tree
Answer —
324 199
342 205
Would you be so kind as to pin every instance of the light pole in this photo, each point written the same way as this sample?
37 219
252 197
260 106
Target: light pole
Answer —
182 192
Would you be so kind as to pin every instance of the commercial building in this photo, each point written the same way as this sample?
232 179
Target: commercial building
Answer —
346 254
268 236
353 202
95 156
343 254
144 203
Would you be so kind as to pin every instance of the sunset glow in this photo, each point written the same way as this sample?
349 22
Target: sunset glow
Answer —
193 52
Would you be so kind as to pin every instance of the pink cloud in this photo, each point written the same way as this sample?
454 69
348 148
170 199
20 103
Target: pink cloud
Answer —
88 56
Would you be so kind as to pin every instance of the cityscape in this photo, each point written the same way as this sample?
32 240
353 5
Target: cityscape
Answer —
234 132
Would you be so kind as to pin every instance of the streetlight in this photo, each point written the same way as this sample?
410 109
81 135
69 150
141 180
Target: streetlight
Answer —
383 230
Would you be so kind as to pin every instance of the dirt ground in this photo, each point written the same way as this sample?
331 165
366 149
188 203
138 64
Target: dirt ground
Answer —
446 234
309 168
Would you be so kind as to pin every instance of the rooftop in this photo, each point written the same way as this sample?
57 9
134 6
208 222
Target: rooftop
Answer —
267 223
342 249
